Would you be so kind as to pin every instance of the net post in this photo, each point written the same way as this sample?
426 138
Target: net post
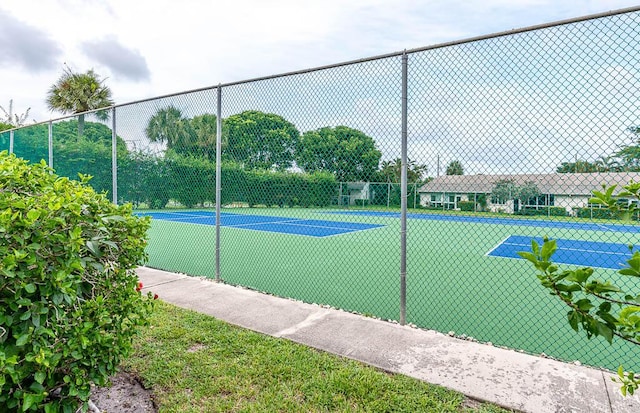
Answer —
11 137
114 157
403 197
51 144
218 176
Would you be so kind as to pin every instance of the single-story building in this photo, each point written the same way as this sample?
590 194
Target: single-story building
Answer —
569 191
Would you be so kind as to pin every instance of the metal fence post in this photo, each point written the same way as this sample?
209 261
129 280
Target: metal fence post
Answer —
403 199
51 144
11 142
114 156
218 177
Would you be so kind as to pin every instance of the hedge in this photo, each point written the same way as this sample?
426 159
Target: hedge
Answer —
191 182
545 211
466 205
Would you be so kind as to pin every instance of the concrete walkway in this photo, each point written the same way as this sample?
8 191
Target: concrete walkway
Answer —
504 377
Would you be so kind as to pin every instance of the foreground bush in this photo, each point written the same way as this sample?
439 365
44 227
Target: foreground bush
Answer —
69 299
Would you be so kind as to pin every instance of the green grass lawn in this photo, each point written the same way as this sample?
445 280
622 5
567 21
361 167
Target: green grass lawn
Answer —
195 363
452 285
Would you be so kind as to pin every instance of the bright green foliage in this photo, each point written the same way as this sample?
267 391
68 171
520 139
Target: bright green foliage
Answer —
193 137
346 152
89 154
258 140
68 297
599 307
190 180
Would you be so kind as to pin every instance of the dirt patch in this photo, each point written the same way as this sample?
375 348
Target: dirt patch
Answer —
125 395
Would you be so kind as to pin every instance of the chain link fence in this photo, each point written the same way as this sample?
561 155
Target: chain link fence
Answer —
506 137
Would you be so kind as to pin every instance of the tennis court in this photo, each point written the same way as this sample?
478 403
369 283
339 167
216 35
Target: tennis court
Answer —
455 279
297 226
570 251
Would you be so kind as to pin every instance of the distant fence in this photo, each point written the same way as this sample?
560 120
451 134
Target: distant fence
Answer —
385 186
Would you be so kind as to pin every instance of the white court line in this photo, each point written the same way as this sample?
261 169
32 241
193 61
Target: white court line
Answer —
289 222
573 249
496 247
260 223
183 217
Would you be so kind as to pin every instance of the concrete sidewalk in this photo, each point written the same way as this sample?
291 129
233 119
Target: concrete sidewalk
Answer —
504 377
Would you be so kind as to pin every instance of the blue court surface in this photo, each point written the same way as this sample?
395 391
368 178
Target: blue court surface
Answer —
309 227
585 226
570 251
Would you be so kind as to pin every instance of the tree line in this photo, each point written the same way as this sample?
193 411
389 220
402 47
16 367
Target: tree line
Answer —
627 159
256 140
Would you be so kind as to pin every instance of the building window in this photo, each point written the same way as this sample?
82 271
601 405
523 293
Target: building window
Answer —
498 200
540 201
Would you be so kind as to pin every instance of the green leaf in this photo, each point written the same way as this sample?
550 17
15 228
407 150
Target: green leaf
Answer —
535 247
33 214
584 304
629 271
548 249
574 319
40 376
580 275
28 400
605 332
569 288
22 340
528 256
94 247
30 288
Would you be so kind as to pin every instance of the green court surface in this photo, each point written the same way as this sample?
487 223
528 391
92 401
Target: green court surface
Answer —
452 285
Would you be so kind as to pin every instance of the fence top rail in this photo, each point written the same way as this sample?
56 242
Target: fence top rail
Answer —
352 62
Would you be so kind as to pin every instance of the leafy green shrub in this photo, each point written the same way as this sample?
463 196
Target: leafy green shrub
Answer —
599 213
466 206
192 180
557 211
68 288
544 211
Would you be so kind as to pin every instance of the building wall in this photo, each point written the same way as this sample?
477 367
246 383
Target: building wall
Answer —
571 201
566 201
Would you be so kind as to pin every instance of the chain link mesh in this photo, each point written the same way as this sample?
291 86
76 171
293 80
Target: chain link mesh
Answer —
507 137
500 119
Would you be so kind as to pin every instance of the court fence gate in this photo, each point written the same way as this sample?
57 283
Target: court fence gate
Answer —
399 186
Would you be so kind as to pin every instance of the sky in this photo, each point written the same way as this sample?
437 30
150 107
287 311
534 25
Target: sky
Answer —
151 48
144 49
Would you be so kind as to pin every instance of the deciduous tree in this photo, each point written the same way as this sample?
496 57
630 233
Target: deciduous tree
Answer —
347 153
258 140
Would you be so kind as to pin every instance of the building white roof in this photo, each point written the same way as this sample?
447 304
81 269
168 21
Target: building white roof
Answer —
557 184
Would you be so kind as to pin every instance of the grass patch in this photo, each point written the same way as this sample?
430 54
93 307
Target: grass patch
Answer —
195 363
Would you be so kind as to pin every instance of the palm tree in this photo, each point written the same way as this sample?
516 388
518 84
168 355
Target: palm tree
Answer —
607 164
392 170
170 127
77 93
13 118
455 168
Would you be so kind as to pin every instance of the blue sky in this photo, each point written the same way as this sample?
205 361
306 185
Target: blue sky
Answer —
509 105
